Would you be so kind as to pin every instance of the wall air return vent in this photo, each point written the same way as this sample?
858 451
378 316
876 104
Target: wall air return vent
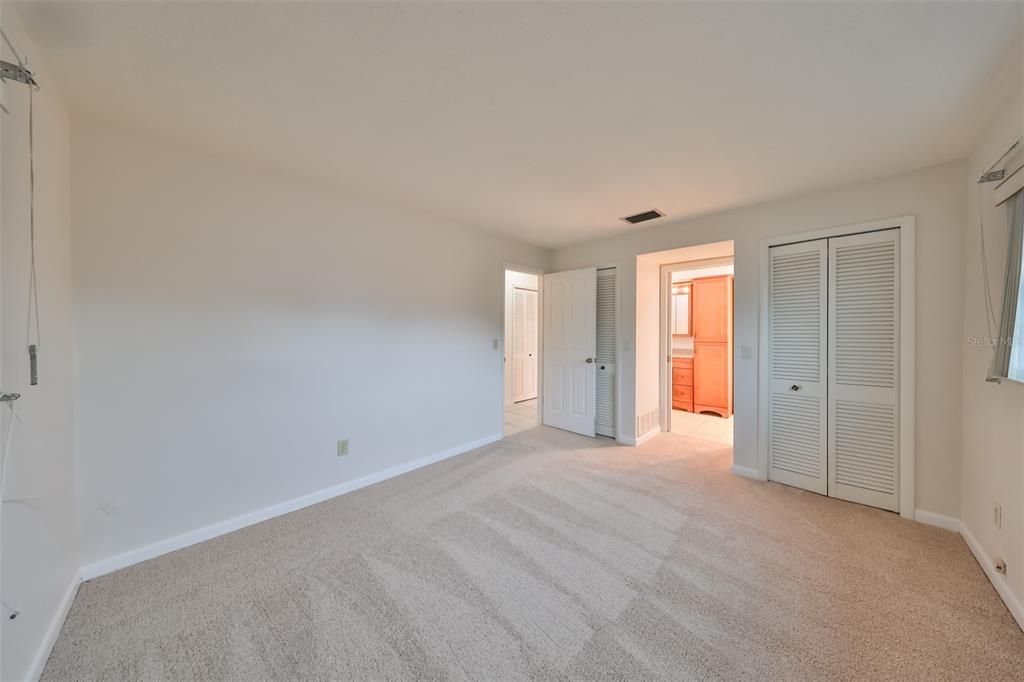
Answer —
644 217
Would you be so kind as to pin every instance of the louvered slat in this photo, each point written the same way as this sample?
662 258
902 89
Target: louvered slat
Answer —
863 368
606 349
796 321
606 315
796 314
793 440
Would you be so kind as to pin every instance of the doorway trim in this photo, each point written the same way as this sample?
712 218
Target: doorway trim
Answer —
530 270
665 329
908 388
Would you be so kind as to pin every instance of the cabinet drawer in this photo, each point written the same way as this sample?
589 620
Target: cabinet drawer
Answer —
682 376
682 393
682 362
680 404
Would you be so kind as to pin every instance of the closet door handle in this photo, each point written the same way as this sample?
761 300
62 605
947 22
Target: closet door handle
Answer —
794 387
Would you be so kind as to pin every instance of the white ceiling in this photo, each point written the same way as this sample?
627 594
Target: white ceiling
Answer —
544 121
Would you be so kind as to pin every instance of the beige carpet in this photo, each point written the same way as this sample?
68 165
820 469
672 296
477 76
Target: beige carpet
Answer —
555 556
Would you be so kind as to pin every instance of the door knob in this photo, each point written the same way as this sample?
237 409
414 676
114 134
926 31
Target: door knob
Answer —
590 360
794 387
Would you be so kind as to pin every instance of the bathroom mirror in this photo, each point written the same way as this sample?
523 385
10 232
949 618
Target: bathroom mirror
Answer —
681 308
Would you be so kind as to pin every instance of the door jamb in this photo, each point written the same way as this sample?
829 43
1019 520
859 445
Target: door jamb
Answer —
908 388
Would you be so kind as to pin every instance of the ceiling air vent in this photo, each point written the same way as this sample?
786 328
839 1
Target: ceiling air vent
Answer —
644 217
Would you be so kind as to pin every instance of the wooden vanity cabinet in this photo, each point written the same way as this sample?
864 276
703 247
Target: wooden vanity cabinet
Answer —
712 345
682 384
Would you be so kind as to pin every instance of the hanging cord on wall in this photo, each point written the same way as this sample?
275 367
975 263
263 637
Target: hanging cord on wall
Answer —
32 334
32 331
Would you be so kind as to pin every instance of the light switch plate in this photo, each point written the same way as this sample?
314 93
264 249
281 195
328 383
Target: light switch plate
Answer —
342 447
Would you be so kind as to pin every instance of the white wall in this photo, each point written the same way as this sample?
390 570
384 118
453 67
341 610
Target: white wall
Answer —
523 280
936 196
233 324
993 464
39 535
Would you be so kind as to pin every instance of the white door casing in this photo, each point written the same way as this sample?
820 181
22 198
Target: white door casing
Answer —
863 374
524 344
797 333
570 349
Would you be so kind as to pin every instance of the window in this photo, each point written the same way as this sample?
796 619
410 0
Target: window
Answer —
1008 355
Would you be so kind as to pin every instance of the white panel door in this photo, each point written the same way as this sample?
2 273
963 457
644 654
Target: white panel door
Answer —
797 332
570 347
524 344
863 387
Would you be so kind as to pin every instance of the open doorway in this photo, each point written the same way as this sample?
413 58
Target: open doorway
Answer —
522 350
697 331
684 342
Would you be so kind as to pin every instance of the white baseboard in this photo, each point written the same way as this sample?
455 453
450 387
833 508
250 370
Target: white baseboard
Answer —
35 670
937 520
630 440
997 579
746 472
134 556
647 436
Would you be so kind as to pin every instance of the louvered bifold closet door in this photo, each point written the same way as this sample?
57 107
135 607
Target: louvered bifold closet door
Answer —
606 332
864 368
797 328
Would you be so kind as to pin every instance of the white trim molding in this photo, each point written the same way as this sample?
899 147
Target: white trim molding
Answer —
643 438
997 580
908 316
747 472
647 436
35 670
171 544
937 520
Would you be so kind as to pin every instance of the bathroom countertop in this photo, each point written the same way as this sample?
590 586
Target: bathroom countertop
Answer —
682 353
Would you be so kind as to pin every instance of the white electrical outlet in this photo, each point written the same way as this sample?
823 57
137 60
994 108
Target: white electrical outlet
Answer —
997 515
342 447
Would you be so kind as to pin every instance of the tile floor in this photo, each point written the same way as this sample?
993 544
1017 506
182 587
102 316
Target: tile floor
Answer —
703 426
521 416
